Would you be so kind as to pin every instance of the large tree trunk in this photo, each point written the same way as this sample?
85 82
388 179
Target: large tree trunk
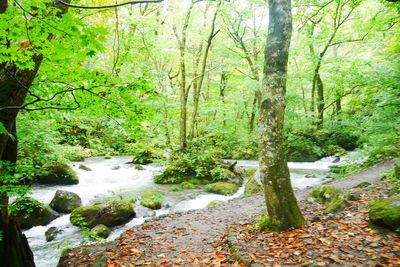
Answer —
281 201
14 86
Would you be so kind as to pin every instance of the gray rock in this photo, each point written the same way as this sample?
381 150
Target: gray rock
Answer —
109 213
65 202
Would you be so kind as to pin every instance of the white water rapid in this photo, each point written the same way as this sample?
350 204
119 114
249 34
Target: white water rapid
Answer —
115 178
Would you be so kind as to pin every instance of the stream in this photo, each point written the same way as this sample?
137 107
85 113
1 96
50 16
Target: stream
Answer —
114 178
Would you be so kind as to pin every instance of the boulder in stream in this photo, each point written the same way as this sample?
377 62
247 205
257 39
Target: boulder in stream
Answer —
57 173
109 213
65 202
222 188
101 230
144 212
152 200
52 233
29 212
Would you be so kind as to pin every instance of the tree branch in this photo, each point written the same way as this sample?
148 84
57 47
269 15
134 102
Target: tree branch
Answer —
110 6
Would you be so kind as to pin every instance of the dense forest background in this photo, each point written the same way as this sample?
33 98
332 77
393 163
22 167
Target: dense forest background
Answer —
183 83
135 75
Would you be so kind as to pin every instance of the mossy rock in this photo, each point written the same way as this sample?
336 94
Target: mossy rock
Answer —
362 185
152 200
336 205
252 187
52 233
65 202
57 173
101 230
187 185
138 167
386 212
29 212
335 150
250 172
109 213
326 193
84 167
222 188
214 203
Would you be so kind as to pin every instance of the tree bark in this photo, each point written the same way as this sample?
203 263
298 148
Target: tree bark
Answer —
280 199
14 86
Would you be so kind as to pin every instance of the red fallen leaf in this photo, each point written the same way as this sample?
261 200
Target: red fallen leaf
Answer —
129 232
219 256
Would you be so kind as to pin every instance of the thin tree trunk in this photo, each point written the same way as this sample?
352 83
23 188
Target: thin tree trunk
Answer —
253 113
280 199
199 84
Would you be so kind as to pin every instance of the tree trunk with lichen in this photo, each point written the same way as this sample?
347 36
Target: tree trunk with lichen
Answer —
281 202
14 86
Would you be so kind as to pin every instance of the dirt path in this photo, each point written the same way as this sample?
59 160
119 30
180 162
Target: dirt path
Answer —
190 236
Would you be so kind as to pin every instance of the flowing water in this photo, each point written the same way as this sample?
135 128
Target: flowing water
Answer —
115 178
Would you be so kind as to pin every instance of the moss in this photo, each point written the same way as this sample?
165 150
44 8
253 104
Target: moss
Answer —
386 212
57 173
250 172
325 193
109 213
362 185
84 167
145 154
187 185
222 188
101 230
29 212
335 205
152 200
214 203
252 187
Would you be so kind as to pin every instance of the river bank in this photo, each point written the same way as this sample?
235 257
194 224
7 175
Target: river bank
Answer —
193 236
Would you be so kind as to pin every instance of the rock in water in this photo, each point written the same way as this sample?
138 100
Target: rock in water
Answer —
29 212
109 213
151 200
101 230
386 212
57 173
52 233
65 202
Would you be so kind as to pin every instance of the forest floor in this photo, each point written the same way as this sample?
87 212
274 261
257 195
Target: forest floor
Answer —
220 236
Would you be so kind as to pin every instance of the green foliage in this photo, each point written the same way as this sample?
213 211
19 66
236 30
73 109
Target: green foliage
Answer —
198 163
393 176
144 153
214 203
24 206
12 185
264 223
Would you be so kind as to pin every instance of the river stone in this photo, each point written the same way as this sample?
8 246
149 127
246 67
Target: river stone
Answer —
152 200
57 173
109 213
29 212
52 233
101 230
65 202
84 167
252 187
144 212
386 212
222 188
